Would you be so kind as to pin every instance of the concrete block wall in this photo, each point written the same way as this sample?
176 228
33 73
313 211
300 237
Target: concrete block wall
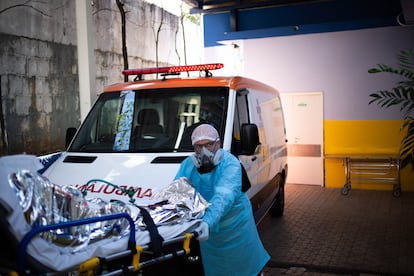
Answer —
39 96
39 93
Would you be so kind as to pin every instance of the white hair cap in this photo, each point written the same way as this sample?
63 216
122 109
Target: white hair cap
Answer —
204 132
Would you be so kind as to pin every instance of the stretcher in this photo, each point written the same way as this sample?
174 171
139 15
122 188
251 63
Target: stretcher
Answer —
27 252
370 169
373 169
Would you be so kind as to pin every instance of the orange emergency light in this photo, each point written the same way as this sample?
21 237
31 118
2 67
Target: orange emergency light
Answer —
173 69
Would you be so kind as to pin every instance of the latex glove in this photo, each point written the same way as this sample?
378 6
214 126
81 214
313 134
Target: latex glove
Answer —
202 231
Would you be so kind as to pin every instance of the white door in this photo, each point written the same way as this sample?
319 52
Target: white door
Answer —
304 129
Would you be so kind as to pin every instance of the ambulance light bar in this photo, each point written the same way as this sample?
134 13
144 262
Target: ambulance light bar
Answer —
173 69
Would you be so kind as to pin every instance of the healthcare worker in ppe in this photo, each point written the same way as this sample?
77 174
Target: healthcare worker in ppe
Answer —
229 241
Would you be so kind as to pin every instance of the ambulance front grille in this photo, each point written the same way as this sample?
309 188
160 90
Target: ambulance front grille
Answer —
79 159
168 159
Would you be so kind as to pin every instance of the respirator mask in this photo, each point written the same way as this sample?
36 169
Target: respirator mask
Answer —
206 160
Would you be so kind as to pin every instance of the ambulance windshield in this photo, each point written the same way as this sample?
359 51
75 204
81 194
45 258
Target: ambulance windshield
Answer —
152 120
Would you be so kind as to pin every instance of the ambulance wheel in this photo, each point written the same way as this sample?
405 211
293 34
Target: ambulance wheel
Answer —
279 205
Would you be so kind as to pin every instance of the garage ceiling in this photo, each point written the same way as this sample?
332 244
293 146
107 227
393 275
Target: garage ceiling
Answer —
244 19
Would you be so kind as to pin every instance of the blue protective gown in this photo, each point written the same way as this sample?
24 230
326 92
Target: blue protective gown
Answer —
234 246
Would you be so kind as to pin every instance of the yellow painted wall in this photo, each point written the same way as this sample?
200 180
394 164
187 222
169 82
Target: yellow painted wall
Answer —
361 138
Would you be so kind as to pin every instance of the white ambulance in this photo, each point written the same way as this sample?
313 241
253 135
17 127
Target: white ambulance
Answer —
137 134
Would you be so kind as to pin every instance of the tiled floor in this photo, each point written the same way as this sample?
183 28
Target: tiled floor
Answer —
325 233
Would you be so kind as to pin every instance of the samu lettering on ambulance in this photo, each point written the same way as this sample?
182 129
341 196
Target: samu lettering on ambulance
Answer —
108 189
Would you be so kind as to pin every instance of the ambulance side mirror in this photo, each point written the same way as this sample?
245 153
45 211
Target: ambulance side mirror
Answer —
249 139
70 133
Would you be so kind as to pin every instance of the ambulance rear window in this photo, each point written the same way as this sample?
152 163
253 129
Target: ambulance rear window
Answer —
152 120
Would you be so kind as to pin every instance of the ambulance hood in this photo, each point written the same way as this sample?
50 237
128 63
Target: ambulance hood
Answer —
109 175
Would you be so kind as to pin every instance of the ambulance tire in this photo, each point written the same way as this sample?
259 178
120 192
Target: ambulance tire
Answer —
278 206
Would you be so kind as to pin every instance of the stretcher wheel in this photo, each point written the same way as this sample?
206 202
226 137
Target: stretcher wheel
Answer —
396 191
345 189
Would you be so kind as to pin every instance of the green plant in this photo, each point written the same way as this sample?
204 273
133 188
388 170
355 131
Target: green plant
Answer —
402 95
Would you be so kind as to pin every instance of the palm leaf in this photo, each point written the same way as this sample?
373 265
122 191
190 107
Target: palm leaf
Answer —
406 64
403 95
386 98
407 145
406 60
